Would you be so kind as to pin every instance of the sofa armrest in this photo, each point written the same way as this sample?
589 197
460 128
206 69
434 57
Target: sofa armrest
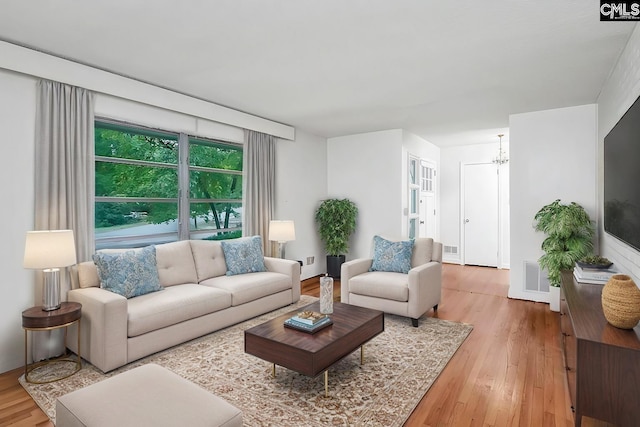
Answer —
425 288
350 269
104 327
288 267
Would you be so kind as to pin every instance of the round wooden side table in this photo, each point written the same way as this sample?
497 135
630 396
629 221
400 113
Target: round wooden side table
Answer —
36 319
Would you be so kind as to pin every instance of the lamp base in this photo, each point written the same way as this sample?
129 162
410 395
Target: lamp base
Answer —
281 246
51 289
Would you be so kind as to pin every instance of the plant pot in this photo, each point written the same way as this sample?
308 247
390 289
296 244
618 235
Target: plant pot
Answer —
334 263
554 298
621 302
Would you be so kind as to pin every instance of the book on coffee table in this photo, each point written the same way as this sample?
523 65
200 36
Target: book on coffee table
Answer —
309 317
294 324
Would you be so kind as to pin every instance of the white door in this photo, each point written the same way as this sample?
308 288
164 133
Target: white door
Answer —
480 214
427 200
427 216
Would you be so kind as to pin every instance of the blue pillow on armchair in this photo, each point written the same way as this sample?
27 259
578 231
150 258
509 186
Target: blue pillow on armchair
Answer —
243 255
391 256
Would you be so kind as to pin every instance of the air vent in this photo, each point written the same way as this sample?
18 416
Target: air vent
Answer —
452 250
534 280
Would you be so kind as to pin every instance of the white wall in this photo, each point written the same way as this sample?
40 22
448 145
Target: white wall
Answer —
367 169
452 159
552 156
618 94
505 216
17 118
301 182
371 169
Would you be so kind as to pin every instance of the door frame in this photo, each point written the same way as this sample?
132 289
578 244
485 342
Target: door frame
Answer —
417 187
411 188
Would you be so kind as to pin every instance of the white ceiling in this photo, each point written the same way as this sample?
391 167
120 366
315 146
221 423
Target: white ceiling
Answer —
448 71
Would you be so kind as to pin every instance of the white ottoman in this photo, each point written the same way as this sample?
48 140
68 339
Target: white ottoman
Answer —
149 395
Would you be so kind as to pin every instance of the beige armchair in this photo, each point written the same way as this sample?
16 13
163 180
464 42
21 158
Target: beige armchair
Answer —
410 295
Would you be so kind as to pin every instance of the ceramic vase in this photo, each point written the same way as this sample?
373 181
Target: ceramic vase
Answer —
621 302
326 295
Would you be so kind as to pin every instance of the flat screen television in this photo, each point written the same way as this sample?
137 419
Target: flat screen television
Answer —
622 178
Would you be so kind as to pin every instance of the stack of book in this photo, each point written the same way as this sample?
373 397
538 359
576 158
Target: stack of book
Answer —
596 276
308 321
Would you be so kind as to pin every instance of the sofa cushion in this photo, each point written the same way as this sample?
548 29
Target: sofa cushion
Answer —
88 272
208 258
129 273
422 251
173 305
88 275
250 286
391 256
243 255
381 284
175 263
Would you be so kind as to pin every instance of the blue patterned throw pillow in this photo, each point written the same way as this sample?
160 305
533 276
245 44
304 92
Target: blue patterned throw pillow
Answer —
243 255
130 273
391 256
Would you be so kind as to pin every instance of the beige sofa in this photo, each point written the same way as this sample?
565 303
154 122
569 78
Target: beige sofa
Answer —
198 298
410 295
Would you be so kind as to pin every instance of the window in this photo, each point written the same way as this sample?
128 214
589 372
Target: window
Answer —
154 187
427 177
215 176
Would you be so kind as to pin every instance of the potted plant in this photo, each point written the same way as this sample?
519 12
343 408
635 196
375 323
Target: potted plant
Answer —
336 220
569 238
595 262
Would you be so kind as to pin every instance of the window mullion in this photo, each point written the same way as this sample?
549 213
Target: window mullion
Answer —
184 210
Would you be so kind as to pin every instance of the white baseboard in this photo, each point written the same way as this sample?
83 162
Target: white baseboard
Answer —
528 296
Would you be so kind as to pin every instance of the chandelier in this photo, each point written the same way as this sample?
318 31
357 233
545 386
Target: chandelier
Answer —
501 158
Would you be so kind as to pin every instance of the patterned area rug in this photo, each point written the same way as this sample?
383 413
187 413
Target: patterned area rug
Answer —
400 366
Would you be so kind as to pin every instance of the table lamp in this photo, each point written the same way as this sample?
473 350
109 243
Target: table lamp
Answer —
281 232
48 251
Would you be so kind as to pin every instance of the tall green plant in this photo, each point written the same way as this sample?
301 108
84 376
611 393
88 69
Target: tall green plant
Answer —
336 220
569 233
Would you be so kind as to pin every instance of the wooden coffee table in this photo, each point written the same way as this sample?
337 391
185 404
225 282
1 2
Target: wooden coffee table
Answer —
313 354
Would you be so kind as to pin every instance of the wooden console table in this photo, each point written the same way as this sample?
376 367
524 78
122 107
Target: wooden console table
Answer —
602 361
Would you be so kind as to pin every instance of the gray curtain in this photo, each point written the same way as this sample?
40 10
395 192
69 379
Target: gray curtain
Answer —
64 173
259 165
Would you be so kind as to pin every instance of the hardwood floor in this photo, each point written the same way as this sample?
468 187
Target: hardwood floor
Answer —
16 406
509 371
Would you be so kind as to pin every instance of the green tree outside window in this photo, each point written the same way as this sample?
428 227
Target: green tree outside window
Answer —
137 185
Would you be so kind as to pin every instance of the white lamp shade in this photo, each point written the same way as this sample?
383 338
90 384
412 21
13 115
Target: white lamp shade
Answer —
282 231
49 249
